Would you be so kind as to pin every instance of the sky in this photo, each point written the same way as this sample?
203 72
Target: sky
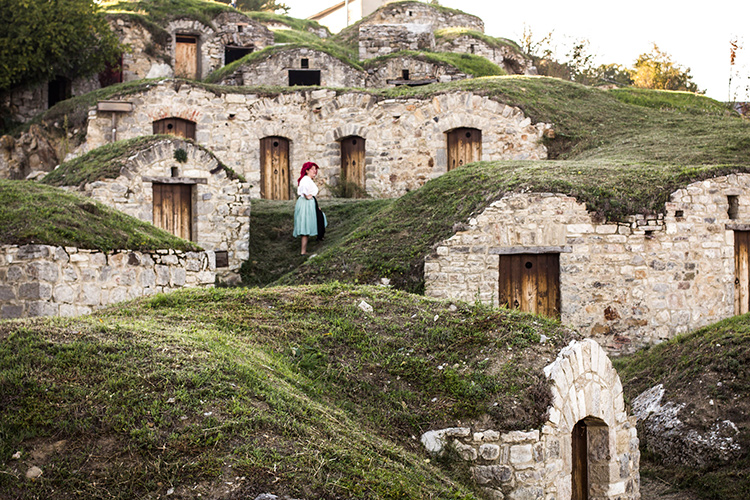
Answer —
695 35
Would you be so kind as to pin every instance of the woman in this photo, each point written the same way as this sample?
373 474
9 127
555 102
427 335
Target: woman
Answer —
305 217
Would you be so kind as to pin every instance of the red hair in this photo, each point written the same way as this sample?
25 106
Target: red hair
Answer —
307 166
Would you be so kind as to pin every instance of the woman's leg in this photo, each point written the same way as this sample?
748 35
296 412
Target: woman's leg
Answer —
304 244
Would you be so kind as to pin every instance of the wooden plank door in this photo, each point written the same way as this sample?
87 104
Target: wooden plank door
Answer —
173 208
580 472
353 166
186 56
274 170
741 272
175 126
531 283
464 146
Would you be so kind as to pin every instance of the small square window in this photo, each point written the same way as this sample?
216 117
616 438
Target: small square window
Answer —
305 63
222 258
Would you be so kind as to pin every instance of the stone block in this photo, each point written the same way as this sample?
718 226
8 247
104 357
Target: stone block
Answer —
41 308
7 293
492 474
521 454
9 311
34 291
489 451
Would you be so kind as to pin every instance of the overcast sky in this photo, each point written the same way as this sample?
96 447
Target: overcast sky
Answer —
696 37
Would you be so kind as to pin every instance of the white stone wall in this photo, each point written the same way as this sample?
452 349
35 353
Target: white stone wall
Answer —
145 57
274 70
625 284
538 464
391 69
423 13
41 280
505 57
221 205
24 103
406 138
383 39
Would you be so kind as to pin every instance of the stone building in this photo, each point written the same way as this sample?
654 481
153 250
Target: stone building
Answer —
386 147
185 190
625 284
434 16
587 448
503 53
296 66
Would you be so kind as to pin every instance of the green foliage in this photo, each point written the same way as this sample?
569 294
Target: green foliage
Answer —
34 213
466 63
257 5
656 70
294 23
180 155
163 11
495 42
41 40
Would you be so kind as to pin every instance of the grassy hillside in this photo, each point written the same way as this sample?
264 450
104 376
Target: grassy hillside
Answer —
33 213
234 393
708 371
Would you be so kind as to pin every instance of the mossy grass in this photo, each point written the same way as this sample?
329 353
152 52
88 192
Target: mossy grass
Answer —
421 219
106 162
293 23
292 391
498 43
163 11
466 63
32 213
707 371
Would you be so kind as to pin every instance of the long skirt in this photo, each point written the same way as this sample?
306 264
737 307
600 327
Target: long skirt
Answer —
305 219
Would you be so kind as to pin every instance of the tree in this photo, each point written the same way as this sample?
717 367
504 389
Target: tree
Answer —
656 70
43 39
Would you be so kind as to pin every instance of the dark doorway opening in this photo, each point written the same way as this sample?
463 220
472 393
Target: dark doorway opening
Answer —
304 77
112 73
232 54
58 90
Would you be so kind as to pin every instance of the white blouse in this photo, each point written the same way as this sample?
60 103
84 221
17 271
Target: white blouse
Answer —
307 187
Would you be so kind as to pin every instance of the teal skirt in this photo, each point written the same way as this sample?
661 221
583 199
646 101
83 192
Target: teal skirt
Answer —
305 220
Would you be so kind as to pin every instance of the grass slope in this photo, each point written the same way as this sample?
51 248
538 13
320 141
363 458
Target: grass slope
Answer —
34 213
230 393
466 63
394 242
710 364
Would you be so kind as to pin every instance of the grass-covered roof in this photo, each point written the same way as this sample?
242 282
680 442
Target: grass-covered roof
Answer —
466 63
32 213
164 11
498 43
288 391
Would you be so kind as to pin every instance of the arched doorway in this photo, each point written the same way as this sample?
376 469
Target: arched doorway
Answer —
175 126
353 166
274 168
590 459
464 146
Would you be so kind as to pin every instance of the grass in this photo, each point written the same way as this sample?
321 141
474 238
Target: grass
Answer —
466 63
164 11
290 391
106 162
498 43
31 213
292 22
710 364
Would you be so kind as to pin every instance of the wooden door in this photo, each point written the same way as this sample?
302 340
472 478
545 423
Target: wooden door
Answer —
580 473
274 170
464 146
531 283
175 126
741 272
173 209
353 166
186 56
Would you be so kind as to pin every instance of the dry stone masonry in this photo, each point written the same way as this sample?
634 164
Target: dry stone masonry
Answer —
625 284
42 280
540 464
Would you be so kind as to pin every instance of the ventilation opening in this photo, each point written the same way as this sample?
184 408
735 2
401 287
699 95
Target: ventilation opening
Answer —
222 258
304 77
58 90
679 213
175 172
649 235
473 48
232 54
304 63
734 206
404 74
240 28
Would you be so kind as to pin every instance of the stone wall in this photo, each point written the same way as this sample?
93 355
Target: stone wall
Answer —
505 57
625 284
40 280
383 39
31 152
405 138
536 464
274 70
24 103
220 208
146 56
423 13
392 69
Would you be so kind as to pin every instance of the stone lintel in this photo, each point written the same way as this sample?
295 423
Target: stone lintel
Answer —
738 227
534 250
176 180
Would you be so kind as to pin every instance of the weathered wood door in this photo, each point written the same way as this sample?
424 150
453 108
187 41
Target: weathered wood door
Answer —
464 146
531 283
175 126
274 170
353 166
580 473
186 56
741 272
173 208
